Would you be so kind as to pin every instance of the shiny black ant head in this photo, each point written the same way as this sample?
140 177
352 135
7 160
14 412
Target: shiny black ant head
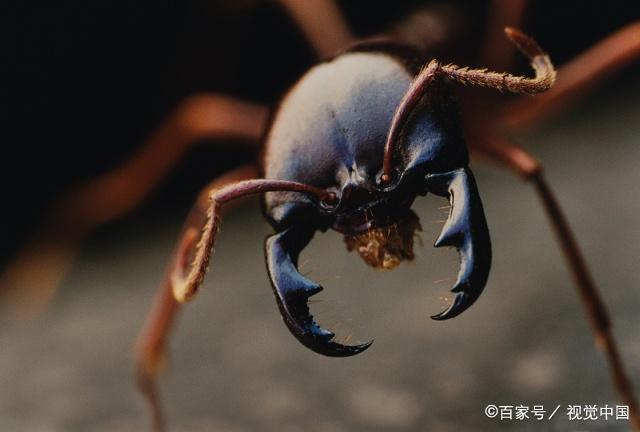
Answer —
329 131
382 137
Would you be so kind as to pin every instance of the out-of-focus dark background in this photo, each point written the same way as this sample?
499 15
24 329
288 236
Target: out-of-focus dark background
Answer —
88 81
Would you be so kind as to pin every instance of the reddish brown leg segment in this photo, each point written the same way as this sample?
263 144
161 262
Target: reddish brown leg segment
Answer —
322 23
522 163
497 52
576 78
32 276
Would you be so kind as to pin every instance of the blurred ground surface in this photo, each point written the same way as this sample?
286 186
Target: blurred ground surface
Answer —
235 367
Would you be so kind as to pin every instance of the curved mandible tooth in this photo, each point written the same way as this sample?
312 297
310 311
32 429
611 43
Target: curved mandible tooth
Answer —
450 231
466 229
292 291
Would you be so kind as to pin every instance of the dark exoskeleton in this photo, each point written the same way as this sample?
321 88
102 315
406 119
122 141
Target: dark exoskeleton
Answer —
330 131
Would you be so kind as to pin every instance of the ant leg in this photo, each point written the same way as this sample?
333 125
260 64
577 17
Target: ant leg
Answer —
323 24
576 78
33 275
152 340
517 160
496 52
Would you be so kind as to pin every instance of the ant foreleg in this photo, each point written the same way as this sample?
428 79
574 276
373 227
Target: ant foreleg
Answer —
519 161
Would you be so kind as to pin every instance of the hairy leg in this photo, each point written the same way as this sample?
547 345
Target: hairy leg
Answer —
517 160
576 78
31 278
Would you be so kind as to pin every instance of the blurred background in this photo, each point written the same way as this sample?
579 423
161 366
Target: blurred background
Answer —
87 83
